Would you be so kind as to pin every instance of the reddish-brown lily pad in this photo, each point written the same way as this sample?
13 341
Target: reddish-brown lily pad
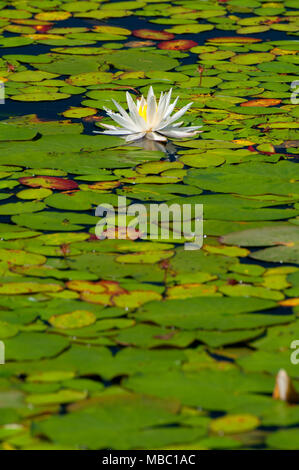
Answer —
51 182
177 44
42 28
264 102
153 34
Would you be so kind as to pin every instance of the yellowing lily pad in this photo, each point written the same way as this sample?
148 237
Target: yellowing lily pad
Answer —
134 299
264 102
76 319
101 299
227 250
90 78
40 193
21 257
53 15
233 424
112 30
184 291
233 40
12 288
78 113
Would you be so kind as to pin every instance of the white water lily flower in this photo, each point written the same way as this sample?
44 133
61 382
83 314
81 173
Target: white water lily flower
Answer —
149 119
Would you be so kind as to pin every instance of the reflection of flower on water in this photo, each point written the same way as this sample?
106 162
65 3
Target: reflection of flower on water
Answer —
150 119
2 92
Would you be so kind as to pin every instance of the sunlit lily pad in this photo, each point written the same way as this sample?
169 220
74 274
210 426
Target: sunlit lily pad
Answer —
177 44
52 96
152 34
12 288
232 424
53 16
76 319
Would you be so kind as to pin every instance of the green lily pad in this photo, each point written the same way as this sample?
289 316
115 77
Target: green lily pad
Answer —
8 330
31 76
222 338
48 377
32 346
146 61
279 234
184 313
52 96
11 132
95 429
62 396
253 58
286 439
253 178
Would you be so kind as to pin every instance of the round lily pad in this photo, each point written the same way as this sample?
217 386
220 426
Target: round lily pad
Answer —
76 319
232 424
152 34
177 44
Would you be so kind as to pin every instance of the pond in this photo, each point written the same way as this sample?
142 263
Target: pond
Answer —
135 339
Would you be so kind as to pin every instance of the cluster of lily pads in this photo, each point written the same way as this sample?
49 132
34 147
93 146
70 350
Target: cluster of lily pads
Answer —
141 344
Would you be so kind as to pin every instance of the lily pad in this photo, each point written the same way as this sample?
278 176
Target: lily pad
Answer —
48 182
135 60
152 34
76 319
231 424
32 346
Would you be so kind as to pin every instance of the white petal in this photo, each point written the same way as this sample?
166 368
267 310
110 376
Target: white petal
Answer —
177 124
114 132
142 101
178 133
166 101
123 112
135 116
184 129
137 136
155 136
169 110
130 125
178 114
151 112
108 126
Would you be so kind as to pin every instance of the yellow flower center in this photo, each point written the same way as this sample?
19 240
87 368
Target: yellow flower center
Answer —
142 111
